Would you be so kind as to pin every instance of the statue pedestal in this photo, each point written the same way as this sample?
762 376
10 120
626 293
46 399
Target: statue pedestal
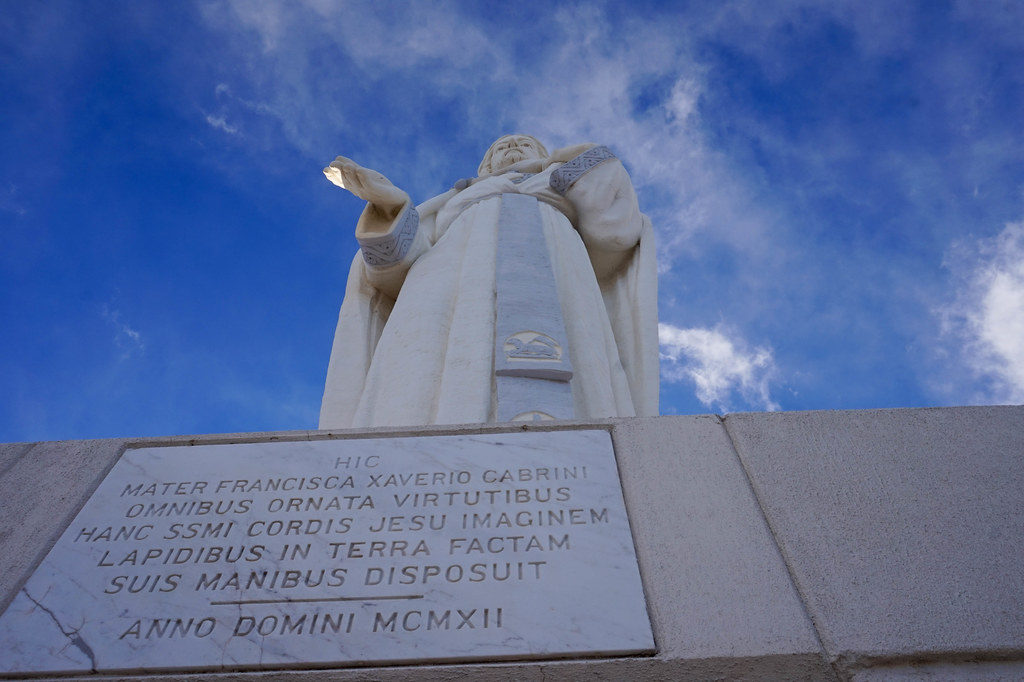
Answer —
854 544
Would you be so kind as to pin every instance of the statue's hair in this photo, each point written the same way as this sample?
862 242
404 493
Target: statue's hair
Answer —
485 165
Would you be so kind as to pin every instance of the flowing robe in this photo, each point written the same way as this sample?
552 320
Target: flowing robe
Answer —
415 341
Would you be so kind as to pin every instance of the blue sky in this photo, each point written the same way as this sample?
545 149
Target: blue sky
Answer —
837 188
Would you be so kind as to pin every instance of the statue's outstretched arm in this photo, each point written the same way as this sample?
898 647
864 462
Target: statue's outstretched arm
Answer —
387 230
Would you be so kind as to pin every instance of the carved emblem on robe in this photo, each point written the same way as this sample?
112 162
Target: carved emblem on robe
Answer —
531 345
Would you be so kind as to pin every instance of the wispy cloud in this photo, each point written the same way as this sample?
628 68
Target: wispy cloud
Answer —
9 201
221 123
988 315
127 339
719 366
636 87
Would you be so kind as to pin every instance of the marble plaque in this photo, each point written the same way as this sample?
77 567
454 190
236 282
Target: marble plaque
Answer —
339 552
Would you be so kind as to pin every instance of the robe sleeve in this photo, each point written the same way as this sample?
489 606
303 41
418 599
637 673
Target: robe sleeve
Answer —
391 245
608 215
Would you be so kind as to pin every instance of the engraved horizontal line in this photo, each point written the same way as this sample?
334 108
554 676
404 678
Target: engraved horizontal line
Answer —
313 599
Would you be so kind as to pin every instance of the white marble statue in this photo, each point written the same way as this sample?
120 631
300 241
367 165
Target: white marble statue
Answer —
528 292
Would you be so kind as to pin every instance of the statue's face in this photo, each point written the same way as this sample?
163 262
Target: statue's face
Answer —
513 149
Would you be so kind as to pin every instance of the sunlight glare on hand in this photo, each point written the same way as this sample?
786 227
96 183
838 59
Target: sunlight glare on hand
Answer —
334 175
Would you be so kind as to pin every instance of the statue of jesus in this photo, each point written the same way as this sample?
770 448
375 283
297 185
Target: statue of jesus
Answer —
526 293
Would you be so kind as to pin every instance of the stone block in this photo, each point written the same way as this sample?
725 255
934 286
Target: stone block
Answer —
715 581
41 491
11 452
904 529
945 671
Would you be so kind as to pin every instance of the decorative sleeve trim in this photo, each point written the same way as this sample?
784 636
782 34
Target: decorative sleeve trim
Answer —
566 175
391 248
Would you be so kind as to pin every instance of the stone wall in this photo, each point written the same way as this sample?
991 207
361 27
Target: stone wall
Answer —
858 545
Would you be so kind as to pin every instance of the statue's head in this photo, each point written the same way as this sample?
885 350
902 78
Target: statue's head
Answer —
511 149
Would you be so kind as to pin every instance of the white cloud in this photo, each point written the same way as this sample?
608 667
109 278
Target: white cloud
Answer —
718 366
988 315
587 90
327 68
221 123
683 102
126 338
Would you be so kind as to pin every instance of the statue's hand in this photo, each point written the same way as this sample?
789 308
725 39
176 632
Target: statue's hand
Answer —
366 184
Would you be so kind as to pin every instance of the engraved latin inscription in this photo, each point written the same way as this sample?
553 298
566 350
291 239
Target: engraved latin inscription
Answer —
398 549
